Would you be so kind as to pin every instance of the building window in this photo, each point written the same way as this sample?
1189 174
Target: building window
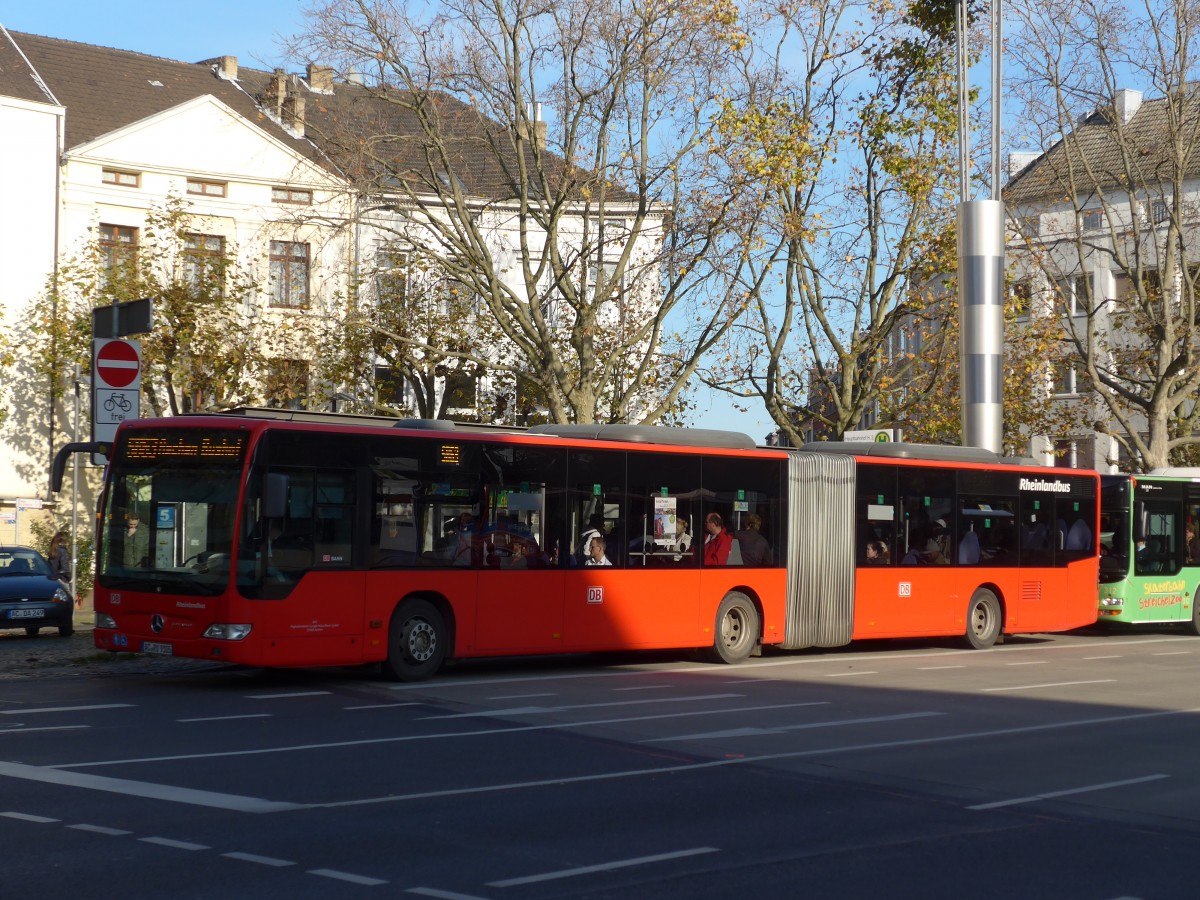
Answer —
1159 212
206 188
1020 297
1092 219
1063 378
1071 294
204 263
1029 227
391 276
291 195
118 251
390 387
1074 453
289 274
462 389
124 179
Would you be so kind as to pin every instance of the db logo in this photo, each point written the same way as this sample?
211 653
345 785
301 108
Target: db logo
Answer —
595 595
906 589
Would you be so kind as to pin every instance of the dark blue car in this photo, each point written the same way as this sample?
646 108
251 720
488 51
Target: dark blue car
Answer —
30 596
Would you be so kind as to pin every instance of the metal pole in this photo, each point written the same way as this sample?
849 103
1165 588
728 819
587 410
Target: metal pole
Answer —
75 497
997 60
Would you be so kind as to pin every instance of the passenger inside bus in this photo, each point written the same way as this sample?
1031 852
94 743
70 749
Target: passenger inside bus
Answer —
595 552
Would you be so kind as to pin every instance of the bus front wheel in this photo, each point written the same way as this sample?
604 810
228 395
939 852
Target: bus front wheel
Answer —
983 620
416 641
736 629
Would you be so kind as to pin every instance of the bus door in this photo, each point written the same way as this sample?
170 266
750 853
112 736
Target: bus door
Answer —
518 551
1158 540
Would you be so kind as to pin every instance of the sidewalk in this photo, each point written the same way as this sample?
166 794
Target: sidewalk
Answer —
48 654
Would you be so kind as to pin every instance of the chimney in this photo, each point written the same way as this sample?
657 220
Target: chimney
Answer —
292 113
539 128
227 69
320 79
1019 161
1126 103
274 93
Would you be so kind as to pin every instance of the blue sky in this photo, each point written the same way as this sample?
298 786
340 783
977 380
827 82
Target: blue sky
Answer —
189 32
249 30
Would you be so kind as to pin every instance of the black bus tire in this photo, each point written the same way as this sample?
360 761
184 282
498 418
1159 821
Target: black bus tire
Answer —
736 633
1193 627
417 641
983 620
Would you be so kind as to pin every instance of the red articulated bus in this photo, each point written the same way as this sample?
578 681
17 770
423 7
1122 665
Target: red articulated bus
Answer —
281 538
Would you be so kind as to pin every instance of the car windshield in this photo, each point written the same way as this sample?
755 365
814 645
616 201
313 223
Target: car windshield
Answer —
22 561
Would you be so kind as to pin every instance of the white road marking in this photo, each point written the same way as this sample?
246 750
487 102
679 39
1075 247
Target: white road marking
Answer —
58 709
747 760
1118 656
754 666
261 860
287 696
1030 687
847 674
100 829
646 687
522 696
7 730
146 789
543 710
483 732
226 718
346 876
174 844
1174 653
1066 793
782 729
379 706
441 895
26 817
1032 662
602 867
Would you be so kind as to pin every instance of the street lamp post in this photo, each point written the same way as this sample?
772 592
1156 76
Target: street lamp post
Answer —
980 264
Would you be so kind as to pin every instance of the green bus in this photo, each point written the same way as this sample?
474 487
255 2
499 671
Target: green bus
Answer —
1149 552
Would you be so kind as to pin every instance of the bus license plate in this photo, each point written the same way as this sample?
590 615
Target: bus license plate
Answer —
158 649
27 614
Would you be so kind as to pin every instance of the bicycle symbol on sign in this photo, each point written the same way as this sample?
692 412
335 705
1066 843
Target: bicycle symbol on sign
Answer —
117 401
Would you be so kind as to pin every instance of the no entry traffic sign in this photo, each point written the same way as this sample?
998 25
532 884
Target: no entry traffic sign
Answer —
118 364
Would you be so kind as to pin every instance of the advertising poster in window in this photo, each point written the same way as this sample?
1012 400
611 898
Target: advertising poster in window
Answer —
664 520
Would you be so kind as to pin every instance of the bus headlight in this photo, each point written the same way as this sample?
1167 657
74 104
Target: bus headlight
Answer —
223 631
1111 602
104 620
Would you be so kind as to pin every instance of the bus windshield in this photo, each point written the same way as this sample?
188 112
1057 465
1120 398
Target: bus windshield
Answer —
168 514
1114 529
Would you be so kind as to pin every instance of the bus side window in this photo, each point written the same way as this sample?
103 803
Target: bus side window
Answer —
875 516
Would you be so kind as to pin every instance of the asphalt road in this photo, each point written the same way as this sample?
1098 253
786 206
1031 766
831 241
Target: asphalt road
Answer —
1051 766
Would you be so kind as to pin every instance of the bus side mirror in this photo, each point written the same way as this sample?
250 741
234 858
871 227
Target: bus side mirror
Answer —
275 495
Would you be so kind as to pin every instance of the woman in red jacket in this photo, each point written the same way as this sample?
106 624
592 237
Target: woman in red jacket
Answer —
718 542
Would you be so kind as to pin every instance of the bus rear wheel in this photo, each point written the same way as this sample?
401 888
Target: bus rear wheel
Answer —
736 630
416 641
1193 627
983 620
